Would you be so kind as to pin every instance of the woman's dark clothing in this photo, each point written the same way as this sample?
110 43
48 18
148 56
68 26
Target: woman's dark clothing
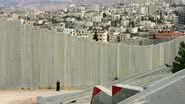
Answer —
58 86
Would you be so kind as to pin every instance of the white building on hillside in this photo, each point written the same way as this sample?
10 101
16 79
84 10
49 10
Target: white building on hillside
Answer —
68 31
102 36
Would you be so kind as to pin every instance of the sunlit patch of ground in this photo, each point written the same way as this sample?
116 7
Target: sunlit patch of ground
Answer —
27 96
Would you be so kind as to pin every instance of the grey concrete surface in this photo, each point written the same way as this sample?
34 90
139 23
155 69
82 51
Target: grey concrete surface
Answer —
170 90
121 92
101 95
142 80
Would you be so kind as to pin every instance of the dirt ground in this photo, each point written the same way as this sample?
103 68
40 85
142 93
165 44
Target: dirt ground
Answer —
27 96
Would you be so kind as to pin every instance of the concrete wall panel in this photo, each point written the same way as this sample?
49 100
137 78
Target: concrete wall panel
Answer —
34 57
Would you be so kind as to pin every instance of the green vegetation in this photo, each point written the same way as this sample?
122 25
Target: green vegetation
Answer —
179 63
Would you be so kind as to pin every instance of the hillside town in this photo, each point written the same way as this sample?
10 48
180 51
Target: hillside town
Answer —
136 24
92 51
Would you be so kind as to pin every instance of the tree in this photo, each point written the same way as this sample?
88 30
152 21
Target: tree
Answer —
179 63
104 15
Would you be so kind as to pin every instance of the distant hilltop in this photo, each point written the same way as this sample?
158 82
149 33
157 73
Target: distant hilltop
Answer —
7 2
31 2
36 2
26 2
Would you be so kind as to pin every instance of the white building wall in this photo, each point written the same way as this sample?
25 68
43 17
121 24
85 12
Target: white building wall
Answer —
102 37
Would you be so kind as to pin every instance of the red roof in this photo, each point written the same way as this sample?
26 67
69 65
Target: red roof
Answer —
168 34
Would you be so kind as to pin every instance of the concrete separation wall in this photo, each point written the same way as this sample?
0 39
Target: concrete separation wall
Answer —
31 57
167 91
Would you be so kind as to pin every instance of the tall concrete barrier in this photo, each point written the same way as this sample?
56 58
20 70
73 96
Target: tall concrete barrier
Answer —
121 92
31 57
101 95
